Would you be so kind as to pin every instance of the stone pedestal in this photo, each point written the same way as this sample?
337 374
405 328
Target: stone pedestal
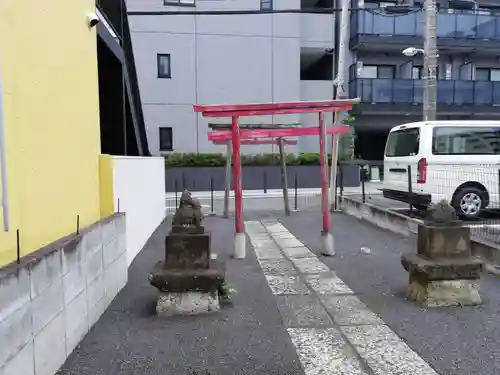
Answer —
188 280
443 272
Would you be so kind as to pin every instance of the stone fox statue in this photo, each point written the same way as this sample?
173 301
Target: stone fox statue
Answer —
189 211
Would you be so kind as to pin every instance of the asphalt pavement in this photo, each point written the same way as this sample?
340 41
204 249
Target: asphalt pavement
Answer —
247 339
454 341
252 337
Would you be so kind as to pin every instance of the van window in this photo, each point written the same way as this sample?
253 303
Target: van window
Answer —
404 142
451 140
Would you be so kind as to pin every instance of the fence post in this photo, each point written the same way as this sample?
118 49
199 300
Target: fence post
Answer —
211 194
410 191
18 247
341 177
183 177
363 192
176 186
265 182
295 183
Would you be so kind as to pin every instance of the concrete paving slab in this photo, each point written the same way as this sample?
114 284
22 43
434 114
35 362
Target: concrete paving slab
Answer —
277 267
297 252
349 310
310 265
283 284
384 351
302 310
324 351
327 283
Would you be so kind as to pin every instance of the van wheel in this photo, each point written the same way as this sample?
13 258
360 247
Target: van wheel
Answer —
469 202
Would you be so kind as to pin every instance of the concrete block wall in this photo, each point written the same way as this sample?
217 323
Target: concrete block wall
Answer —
52 298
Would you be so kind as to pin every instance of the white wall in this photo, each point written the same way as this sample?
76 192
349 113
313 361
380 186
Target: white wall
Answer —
139 185
314 90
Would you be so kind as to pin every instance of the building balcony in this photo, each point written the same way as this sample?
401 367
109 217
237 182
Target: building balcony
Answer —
317 30
405 96
456 32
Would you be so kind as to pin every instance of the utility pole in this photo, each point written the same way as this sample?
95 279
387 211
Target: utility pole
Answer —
340 94
430 62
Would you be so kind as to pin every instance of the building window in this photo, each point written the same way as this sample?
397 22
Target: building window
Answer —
466 141
378 71
379 4
163 65
495 75
166 141
266 4
486 74
188 3
416 72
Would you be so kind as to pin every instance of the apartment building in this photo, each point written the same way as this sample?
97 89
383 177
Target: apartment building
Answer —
390 84
208 59
186 59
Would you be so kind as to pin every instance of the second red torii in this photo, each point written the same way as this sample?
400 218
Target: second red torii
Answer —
226 135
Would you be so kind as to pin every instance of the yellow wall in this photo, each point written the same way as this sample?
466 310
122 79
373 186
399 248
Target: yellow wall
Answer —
106 190
49 70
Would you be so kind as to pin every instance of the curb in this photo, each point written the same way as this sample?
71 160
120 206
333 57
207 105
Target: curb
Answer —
395 222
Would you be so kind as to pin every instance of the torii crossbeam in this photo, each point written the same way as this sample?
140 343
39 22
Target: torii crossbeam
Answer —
239 110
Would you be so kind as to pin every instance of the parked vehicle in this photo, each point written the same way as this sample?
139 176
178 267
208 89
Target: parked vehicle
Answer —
454 160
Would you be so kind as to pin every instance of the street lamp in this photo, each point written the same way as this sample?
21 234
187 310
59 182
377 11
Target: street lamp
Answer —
412 51
430 81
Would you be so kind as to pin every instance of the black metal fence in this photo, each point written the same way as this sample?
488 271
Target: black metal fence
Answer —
253 177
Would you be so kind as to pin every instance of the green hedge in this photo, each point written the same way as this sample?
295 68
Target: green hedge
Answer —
219 160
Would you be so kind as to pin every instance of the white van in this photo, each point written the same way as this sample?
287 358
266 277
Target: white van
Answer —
454 160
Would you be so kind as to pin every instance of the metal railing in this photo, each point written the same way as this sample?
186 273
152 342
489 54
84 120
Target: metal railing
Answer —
449 24
410 91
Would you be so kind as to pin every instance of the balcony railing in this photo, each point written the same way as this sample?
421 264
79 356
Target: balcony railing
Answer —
449 25
409 91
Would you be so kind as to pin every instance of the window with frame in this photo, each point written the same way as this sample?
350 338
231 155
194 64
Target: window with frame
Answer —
403 142
378 71
266 4
477 140
166 139
189 3
487 74
416 72
164 65
379 4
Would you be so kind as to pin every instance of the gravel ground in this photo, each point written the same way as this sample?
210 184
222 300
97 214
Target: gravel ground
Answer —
455 341
247 339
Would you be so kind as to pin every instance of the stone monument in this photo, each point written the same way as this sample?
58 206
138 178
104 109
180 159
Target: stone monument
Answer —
443 272
189 280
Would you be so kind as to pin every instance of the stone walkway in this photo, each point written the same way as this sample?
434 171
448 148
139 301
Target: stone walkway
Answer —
333 331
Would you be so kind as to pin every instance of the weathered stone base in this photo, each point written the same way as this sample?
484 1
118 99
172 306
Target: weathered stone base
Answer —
445 293
187 303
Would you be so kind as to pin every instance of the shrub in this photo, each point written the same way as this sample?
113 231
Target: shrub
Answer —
177 159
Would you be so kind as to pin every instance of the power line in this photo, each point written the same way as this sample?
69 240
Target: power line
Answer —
233 12
387 13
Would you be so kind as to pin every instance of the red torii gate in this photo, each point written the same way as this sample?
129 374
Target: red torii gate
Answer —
235 135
